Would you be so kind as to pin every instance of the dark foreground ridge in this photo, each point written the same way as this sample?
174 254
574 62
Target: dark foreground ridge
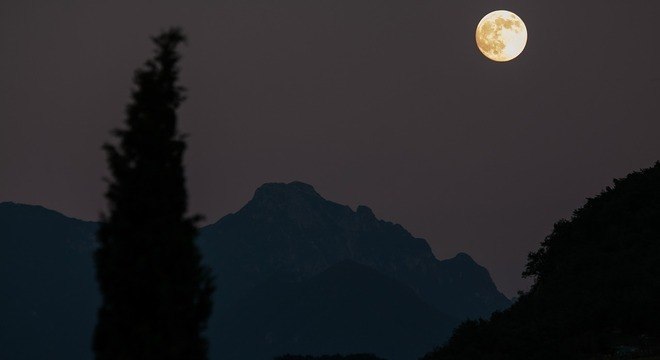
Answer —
597 286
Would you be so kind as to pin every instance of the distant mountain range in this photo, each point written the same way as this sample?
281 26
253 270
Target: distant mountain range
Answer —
48 292
288 233
295 273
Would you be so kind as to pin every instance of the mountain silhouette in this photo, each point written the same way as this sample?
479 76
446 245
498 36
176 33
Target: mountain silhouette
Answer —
360 283
348 308
289 233
48 292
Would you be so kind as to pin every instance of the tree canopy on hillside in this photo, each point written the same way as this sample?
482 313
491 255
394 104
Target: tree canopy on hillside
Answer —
596 284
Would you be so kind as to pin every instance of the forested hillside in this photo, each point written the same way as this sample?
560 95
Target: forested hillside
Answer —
596 289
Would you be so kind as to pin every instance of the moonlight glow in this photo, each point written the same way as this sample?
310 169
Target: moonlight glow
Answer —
501 35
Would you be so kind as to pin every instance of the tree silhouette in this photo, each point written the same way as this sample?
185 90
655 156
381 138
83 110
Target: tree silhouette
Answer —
156 293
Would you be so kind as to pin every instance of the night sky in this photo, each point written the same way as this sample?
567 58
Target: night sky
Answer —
384 103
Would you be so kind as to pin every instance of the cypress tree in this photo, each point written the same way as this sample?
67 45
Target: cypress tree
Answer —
156 294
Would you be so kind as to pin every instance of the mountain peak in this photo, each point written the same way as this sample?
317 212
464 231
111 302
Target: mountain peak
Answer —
284 191
294 201
365 212
463 257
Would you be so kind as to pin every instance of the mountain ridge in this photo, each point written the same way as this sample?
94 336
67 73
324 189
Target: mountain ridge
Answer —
46 270
288 233
305 233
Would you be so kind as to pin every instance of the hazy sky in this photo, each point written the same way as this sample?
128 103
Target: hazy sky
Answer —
383 103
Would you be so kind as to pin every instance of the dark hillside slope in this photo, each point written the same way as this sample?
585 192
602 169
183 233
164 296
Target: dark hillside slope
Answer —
597 284
347 308
48 294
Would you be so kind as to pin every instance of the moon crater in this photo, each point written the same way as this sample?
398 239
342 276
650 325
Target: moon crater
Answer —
501 35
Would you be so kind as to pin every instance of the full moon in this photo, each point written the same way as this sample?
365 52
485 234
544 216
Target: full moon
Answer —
501 35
